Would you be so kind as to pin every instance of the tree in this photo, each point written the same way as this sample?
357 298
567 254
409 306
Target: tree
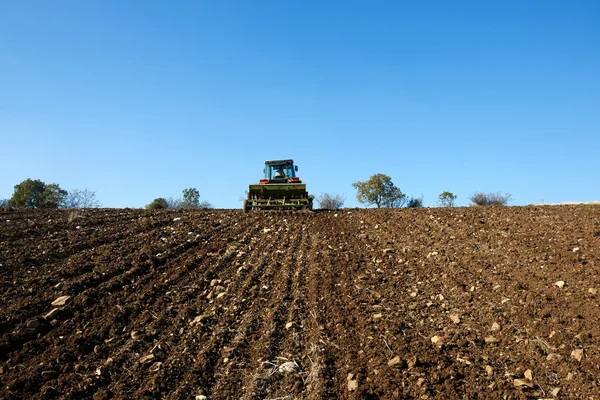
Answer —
37 194
415 202
447 199
5 203
191 198
158 204
380 191
490 199
78 198
173 203
331 201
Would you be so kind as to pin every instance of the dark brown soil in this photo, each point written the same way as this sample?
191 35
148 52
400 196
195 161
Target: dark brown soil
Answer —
373 304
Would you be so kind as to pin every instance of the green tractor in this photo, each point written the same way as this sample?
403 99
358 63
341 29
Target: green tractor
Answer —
279 189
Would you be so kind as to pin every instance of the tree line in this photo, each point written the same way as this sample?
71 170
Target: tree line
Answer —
380 191
34 193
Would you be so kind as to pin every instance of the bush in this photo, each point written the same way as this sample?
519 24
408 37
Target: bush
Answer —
490 199
37 194
447 199
415 202
331 201
205 205
158 204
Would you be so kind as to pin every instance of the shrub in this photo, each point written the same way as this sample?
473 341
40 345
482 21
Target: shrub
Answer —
205 205
158 204
415 202
490 199
331 201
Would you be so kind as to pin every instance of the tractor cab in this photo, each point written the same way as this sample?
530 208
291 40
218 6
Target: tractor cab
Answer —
279 189
280 171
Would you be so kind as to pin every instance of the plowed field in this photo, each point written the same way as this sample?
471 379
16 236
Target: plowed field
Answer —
459 303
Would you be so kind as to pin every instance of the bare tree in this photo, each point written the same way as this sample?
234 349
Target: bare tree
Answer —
78 198
331 201
173 203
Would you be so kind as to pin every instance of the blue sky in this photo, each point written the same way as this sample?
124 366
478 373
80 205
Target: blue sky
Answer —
141 99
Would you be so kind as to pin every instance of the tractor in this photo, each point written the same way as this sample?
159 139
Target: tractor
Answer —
279 189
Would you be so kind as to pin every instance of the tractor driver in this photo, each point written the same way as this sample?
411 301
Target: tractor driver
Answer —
279 173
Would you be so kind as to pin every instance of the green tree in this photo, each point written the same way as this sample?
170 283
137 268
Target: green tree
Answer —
37 194
447 199
191 198
380 191
158 204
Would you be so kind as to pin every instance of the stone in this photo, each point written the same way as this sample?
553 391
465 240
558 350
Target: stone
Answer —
528 374
289 325
412 362
455 318
394 361
61 301
199 320
435 339
495 327
288 367
352 383
593 291
522 382
560 284
490 339
577 354
201 397
489 370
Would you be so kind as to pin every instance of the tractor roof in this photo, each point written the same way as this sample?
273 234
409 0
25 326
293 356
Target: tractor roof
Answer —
279 162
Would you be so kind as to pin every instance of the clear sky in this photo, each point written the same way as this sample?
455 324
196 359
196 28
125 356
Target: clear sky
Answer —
141 99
